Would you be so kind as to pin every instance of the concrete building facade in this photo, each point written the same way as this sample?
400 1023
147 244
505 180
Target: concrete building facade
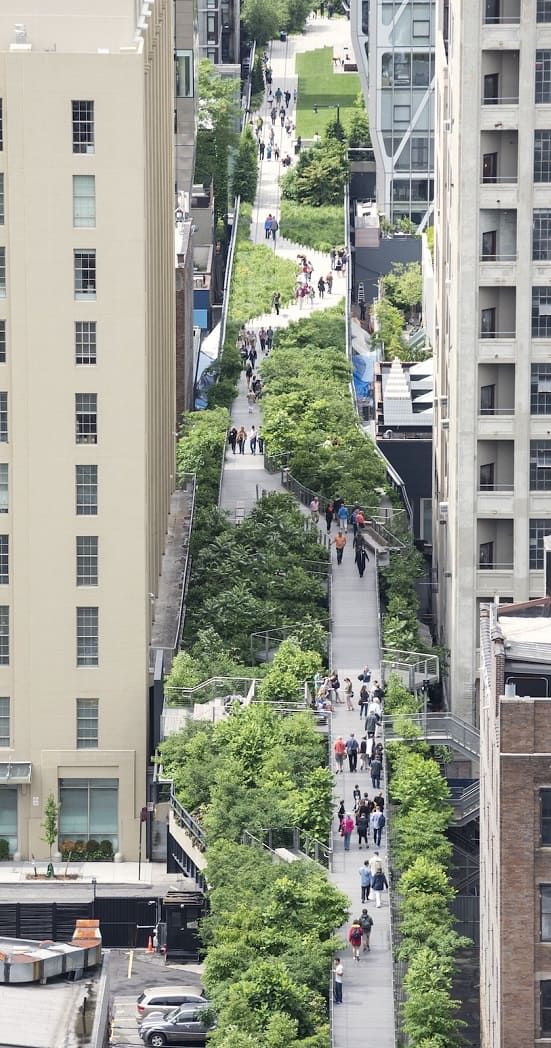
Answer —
493 325
87 406
515 824
394 47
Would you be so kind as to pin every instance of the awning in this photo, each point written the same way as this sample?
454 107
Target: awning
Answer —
14 772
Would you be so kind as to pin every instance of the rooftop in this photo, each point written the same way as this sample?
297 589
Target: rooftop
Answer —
404 397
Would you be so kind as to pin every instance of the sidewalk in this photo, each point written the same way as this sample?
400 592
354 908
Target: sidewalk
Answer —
367 988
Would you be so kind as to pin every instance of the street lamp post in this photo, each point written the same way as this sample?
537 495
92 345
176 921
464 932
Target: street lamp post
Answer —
335 105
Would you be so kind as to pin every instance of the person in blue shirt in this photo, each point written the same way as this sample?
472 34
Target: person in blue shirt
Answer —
343 517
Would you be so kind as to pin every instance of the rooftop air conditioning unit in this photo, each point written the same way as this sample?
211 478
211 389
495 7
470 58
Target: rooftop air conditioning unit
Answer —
443 512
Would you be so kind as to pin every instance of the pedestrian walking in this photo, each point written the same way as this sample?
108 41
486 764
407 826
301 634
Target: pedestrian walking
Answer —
366 921
341 813
338 972
357 796
362 826
268 227
315 509
276 301
348 694
378 884
242 440
376 768
273 114
260 441
329 515
282 116
329 283
361 559
275 227
251 400
334 684
252 440
278 96
365 880
339 749
261 148
379 801
363 754
321 287
352 751
342 515
269 157
377 692
269 338
340 543
377 822
333 257
287 99
365 675
347 826
355 936
232 438
371 722
363 701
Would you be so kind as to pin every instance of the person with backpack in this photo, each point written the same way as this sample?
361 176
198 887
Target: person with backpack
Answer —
362 826
365 880
334 685
341 811
275 226
377 821
355 936
232 438
352 751
376 769
347 826
363 754
366 921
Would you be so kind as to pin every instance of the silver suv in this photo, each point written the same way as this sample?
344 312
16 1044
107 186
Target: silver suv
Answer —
163 999
183 1026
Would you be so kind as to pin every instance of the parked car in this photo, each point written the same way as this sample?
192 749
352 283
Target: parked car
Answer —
163 999
183 1026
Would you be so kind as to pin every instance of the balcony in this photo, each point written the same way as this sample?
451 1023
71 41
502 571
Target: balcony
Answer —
499 87
495 467
496 409
497 311
501 12
495 546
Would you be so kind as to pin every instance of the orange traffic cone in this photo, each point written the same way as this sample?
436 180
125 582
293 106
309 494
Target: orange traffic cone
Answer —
149 947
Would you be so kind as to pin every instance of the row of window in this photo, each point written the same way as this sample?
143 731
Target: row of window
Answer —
84 269
85 339
87 723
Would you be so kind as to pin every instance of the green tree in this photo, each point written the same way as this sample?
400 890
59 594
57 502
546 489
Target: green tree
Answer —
334 131
217 123
358 133
429 1010
49 824
404 285
390 326
245 171
319 175
261 21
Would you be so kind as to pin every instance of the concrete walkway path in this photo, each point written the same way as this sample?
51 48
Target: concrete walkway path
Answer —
366 1015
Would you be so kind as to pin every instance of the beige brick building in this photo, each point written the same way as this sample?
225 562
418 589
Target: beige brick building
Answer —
87 412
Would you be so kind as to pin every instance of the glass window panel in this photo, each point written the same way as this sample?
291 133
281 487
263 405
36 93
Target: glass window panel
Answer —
4 722
85 274
83 127
543 11
87 636
86 490
539 528
8 816
86 418
84 200
542 156
541 312
87 560
4 635
541 234
85 342
545 1007
543 77
183 65
87 723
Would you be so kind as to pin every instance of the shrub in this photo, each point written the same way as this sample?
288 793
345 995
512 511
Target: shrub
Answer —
245 171
320 228
4 849
318 176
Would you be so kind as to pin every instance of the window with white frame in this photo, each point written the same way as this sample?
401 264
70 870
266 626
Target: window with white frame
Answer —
540 465
3 417
83 127
86 490
4 635
4 559
87 560
87 724
4 487
4 722
541 234
542 156
543 77
2 272
540 389
543 11
539 529
84 200
86 418
3 341
87 636
541 312
85 342
85 274
2 201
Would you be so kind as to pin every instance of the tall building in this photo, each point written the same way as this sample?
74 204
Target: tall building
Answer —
394 47
515 824
492 259
87 412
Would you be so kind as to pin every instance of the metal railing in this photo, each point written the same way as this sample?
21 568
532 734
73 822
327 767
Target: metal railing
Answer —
483 489
437 729
264 643
499 100
186 478
186 821
496 566
502 19
497 334
485 257
292 838
465 802
228 276
496 411
397 482
417 665
498 180
207 690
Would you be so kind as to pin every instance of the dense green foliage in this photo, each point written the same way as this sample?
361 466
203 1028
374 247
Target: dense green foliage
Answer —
245 169
403 286
270 948
257 273
217 123
401 603
262 21
319 175
403 290
199 450
358 130
320 228
308 413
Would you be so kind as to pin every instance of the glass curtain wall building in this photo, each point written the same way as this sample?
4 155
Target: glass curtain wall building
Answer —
394 46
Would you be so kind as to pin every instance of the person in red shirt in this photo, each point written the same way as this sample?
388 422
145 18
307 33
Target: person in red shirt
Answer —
339 749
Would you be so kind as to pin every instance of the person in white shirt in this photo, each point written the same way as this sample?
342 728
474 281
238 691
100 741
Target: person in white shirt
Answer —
338 972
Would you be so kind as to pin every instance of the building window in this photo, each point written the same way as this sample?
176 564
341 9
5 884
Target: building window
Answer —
541 312
84 200
87 724
540 465
4 491
1 125
87 560
183 71
2 273
543 11
3 342
542 156
87 636
85 342
545 816
3 418
545 912
421 28
538 530
541 235
4 723
89 810
4 559
540 389
543 77
83 127
86 416
545 1008
86 490
4 635
8 816
85 274
2 202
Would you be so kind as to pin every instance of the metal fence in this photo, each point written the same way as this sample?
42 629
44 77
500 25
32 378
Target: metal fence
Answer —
227 277
437 729
187 822
292 839
264 643
414 668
